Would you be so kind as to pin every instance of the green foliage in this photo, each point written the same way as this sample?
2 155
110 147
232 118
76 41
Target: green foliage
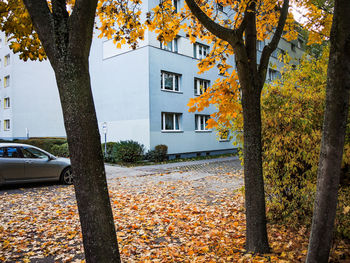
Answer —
292 117
159 153
60 150
111 152
128 151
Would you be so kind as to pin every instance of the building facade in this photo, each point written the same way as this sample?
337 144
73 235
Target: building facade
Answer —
139 94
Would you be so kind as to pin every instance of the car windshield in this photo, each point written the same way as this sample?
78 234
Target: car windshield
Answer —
29 152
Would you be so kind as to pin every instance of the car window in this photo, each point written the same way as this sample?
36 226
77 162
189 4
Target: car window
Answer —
12 152
2 152
29 152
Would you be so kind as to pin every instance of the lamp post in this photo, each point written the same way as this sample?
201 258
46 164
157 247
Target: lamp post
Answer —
104 130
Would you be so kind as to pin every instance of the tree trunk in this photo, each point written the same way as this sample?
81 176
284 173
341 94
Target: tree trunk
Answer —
334 127
256 233
96 217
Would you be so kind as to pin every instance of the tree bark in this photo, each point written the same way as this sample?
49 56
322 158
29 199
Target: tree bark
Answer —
256 233
334 127
67 41
96 217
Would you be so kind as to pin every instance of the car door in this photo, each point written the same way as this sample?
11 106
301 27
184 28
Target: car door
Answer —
38 165
11 164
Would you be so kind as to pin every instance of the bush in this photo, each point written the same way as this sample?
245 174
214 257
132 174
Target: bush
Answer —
44 143
128 151
292 117
111 153
159 153
60 150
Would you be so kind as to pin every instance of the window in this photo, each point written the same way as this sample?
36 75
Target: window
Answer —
7 125
10 152
171 121
170 81
200 86
281 52
6 103
221 69
7 60
201 122
273 74
260 45
200 51
29 152
300 43
220 7
7 81
176 5
224 134
292 46
170 46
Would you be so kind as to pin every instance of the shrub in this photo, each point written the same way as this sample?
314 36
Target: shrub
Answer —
60 150
43 143
111 153
292 117
159 153
129 151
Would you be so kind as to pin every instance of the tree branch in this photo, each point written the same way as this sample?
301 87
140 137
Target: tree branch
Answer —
268 49
81 24
213 27
43 23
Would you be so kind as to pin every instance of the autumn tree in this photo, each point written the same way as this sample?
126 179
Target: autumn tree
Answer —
62 31
333 135
237 35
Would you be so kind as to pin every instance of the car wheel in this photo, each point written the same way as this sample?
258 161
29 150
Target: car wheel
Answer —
67 176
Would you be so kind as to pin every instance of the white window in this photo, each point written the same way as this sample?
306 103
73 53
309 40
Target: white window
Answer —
171 121
300 43
200 86
170 46
176 5
260 45
7 60
220 7
6 103
292 46
201 122
170 81
200 51
7 81
273 74
7 125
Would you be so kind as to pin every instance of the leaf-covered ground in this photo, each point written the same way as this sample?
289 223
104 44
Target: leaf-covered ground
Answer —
157 221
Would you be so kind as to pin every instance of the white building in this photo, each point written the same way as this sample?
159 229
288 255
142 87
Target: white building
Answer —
141 94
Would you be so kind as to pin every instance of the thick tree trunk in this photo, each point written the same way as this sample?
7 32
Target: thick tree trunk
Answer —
96 217
256 233
336 111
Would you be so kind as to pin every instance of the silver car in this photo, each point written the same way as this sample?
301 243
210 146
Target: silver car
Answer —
21 163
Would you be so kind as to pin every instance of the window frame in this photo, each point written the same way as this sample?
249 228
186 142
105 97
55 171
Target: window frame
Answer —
198 46
7 60
174 77
174 45
198 119
7 103
7 81
7 125
175 115
197 90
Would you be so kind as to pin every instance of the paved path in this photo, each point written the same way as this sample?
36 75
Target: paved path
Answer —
208 166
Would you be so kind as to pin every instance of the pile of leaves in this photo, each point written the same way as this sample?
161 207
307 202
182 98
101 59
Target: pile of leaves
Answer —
158 221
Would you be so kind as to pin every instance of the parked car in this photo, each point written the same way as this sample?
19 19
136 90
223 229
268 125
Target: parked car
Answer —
21 163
